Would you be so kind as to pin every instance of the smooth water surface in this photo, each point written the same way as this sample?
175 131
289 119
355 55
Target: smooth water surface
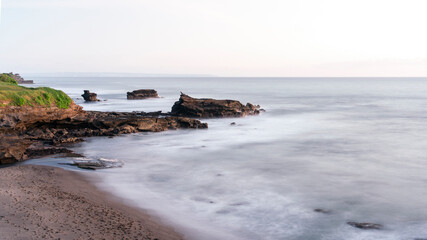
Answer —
354 146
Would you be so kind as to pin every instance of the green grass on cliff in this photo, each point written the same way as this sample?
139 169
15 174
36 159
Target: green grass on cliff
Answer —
6 78
15 95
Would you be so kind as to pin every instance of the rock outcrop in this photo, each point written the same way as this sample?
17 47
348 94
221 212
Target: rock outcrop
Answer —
19 79
28 132
210 108
95 164
324 211
89 97
142 94
19 119
16 121
366 226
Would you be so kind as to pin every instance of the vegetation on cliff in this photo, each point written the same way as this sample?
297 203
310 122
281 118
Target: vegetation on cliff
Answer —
13 94
6 78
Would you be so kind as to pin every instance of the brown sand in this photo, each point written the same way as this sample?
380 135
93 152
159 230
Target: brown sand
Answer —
38 202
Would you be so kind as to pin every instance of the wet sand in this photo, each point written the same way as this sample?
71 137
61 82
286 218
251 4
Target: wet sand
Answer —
38 202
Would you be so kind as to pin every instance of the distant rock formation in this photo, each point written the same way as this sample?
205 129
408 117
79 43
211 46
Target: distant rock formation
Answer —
142 94
89 97
209 108
19 79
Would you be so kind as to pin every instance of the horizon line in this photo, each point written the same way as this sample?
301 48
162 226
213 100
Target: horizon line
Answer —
188 75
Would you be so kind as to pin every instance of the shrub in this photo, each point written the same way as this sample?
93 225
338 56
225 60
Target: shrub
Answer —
18 100
7 79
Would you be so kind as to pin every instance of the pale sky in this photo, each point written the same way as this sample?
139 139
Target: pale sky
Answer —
220 37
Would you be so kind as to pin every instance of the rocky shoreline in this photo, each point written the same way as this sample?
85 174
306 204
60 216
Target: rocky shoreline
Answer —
37 131
30 132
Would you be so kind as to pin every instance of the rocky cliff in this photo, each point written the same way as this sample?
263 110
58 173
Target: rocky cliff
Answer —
28 132
20 118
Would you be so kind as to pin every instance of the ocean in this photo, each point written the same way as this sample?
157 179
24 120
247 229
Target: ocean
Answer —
355 147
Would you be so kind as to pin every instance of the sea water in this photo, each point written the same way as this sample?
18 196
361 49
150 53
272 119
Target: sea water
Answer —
356 147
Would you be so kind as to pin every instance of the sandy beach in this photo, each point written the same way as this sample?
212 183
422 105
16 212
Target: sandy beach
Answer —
38 202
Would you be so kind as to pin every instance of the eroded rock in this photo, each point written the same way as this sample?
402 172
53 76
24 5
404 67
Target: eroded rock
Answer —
89 97
142 94
29 132
101 163
209 108
366 226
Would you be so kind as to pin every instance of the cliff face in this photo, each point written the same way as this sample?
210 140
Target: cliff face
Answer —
15 121
28 132
15 118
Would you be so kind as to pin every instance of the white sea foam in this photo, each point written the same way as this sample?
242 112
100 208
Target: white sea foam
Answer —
356 147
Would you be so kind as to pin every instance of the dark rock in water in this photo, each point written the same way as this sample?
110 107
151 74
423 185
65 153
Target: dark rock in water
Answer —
142 94
89 97
233 123
325 211
366 226
101 163
208 108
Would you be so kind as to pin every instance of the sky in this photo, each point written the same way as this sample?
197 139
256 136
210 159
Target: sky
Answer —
254 38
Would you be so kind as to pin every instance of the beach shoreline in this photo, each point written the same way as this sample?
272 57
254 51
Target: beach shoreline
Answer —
41 202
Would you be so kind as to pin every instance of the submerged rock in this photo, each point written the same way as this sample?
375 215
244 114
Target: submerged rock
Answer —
142 94
101 163
89 97
366 226
324 211
208 108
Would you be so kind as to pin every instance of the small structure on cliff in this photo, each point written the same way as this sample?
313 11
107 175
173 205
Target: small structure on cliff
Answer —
19 79
207 107
142 94
89 97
